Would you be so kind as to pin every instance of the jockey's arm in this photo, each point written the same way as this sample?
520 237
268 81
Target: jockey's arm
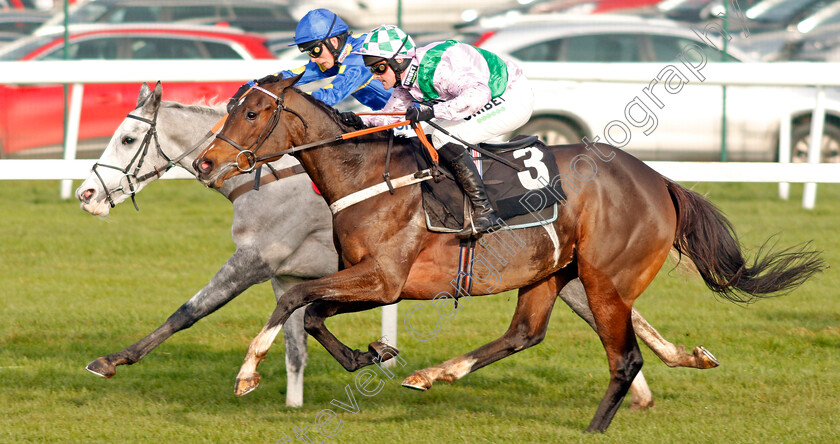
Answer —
311 72
399 101
346 82
465 79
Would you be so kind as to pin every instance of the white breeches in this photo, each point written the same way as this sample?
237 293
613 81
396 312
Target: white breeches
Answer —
498 117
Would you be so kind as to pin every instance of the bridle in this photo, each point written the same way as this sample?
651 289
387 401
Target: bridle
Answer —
249 154
139 157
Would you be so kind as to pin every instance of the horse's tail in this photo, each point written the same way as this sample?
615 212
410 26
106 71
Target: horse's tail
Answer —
708 239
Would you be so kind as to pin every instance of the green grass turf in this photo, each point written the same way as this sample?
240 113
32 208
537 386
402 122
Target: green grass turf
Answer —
73 287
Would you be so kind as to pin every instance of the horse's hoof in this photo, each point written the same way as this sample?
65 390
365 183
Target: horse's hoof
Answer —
247 385
417 381
642 406
102 367
382 351
705 358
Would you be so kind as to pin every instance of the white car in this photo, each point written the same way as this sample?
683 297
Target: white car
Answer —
689 127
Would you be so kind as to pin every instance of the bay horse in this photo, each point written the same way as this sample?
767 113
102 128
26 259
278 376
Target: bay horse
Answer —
269 244
617 227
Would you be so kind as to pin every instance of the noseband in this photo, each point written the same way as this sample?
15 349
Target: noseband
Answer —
250 153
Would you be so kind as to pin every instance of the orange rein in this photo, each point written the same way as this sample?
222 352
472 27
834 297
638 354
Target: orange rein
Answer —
417 129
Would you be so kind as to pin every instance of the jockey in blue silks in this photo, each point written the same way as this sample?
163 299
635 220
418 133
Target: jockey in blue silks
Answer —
325 37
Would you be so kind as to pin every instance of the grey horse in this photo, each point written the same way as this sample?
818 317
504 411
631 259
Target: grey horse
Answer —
287 241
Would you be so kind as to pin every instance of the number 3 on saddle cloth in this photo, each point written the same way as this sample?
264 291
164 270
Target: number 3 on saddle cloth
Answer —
523 199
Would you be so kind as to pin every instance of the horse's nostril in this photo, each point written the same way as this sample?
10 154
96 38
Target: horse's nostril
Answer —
203 165
88 194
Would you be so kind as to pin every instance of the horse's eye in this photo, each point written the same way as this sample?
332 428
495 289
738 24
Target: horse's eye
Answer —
127 140
251 115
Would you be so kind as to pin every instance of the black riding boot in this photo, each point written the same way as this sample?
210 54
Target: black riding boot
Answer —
463 168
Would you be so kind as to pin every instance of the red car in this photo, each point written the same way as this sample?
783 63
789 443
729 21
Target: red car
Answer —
31 116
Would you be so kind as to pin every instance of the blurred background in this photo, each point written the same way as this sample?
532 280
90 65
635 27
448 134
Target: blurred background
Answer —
743 122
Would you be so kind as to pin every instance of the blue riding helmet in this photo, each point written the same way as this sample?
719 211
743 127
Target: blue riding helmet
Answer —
319 24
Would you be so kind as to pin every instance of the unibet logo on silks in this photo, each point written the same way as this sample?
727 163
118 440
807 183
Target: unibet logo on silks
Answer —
493 103
410 75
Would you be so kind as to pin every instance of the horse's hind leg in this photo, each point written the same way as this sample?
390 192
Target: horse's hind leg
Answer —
615 328
574 295
672 355
295 337
527 328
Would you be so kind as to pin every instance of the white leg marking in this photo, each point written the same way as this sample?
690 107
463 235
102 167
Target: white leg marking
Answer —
294 388
665 350
259 347
640 392
461 368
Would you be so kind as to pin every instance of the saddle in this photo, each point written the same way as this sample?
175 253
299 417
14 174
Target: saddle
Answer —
522 198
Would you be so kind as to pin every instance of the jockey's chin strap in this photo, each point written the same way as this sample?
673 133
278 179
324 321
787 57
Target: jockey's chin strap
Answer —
140 156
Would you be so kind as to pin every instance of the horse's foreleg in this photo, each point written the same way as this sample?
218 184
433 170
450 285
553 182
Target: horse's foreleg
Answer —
615 328
351 360
295 337
241 271
359 283
527 329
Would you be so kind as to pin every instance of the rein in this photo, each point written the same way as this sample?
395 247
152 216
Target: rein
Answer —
140 156
388 185
338 138
249 154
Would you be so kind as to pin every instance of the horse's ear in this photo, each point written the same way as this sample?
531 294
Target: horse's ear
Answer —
152 101
145 91
295 79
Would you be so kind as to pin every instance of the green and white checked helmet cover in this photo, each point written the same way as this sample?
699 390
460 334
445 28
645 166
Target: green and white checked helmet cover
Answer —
387 42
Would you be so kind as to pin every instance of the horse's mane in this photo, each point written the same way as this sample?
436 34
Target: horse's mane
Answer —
334 114
200 107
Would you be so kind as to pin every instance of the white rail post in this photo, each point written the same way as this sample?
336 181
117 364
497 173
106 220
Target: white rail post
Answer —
71 133
784 151
389 329
809 193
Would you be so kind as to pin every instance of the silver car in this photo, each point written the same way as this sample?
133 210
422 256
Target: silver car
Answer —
689 127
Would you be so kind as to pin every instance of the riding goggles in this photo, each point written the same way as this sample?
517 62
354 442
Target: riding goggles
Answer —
379 68
313 50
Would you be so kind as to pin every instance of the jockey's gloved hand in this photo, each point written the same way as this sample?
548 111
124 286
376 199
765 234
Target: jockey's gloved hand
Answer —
238 95
350 118
419 113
